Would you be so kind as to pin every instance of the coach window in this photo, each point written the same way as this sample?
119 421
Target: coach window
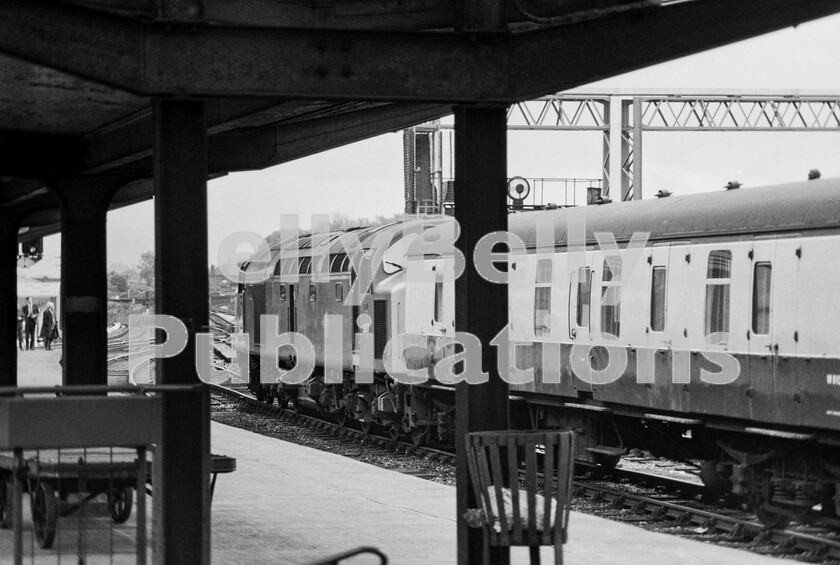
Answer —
657 299
761 299
312 295
282 292
438 301
717 292
583 298
542 297
611 296
339 292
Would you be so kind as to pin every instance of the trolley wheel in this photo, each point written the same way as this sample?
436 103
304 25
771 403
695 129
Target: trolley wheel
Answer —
367 426
5 504
120 501
44 514
419 436
394 432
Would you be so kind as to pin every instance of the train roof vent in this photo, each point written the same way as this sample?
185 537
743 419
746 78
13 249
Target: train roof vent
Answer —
814 174
732 185
663 193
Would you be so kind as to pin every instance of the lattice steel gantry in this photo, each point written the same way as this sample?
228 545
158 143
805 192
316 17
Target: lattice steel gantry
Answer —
663 111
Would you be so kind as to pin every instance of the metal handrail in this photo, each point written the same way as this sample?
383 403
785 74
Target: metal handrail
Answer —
336 559
98 389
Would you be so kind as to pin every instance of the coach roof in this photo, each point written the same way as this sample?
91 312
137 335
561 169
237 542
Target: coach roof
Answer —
791 207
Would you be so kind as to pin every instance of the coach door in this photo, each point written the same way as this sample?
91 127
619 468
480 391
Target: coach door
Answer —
580 303
773 382
662 328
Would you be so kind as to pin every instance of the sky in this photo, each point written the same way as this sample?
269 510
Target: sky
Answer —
365 179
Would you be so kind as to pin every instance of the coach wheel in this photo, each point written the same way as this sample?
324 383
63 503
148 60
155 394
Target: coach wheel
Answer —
367 426
282 399
341 417
714 481
419 436
120 501
44 514
394 432
769 518
295 406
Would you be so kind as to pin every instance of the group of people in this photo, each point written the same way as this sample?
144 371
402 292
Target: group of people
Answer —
27 321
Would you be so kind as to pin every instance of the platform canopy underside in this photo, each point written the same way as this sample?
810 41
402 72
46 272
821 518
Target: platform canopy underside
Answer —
283 80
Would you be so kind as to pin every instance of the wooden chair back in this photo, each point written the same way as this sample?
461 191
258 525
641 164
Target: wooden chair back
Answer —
511 496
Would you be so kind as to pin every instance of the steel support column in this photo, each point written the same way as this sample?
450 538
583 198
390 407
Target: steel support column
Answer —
9 223
84 282
181 290
480 208
631 149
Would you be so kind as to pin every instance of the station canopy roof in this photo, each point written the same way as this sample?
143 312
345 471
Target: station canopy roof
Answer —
286 79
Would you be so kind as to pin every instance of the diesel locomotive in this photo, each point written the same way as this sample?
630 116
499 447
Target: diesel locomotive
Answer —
703 328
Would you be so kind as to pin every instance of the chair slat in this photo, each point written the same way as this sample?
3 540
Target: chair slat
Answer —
486 482
531 488
498 483
513 465
565 476
475 456
548 483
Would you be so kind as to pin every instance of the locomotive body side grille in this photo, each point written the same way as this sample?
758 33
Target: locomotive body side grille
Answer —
380 327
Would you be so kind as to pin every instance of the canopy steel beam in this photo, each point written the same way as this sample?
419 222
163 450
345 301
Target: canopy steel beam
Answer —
127 148
219 60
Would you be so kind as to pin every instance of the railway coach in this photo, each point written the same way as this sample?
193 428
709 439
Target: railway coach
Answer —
703 328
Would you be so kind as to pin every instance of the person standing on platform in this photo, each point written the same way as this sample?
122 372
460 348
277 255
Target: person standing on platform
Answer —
21 322
47 325
30 312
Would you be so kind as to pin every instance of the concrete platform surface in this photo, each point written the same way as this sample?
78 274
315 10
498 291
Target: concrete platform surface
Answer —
291 504
288 504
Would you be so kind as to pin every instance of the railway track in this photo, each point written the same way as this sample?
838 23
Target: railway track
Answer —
331 429
652 501
664 504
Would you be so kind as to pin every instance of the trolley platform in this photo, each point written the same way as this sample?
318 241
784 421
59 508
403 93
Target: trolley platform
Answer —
59 482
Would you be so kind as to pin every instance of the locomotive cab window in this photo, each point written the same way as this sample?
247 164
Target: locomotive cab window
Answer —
305 266
717 294
761 298
657 299
542 297
583 298
339 263
611 296
287 267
